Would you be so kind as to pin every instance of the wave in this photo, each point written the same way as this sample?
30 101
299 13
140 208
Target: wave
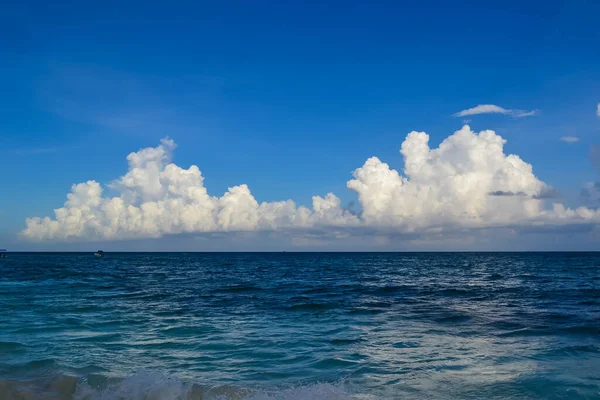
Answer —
149 385
311 307
10 346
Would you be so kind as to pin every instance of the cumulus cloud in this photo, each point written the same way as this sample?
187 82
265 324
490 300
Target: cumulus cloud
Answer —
494 109
466 182
158 197
569 139
448 186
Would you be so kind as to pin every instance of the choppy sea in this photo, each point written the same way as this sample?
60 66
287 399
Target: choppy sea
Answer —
298 326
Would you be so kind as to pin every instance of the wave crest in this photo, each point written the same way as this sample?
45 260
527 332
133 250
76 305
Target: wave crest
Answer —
149 385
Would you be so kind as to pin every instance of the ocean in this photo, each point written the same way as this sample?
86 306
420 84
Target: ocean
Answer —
299 326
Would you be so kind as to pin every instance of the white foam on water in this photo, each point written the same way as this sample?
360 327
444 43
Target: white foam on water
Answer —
143 385
146 385
323 391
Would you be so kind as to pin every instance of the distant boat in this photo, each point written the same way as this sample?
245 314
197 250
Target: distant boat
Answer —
99 253
2 253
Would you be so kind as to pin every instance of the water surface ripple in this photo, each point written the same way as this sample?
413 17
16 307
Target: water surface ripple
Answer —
300 326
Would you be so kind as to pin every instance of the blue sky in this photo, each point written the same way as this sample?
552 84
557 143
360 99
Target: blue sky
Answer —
286 97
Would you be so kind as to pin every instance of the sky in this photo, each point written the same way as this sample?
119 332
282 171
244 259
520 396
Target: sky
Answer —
300 126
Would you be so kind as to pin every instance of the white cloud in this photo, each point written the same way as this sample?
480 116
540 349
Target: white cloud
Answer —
598 110
494 109
449 185
158 197
570 139
462 184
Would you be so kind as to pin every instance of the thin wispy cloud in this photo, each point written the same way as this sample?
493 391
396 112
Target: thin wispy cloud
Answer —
105 99
545 193
598 110
570 139
25 151
37 150
122 102
501 193
494 109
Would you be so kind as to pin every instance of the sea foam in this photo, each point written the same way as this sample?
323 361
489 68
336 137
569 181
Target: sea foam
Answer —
147 385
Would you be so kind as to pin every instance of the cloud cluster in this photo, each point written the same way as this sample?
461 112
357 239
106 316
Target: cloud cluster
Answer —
158 197
569 139
466 182
494 109
449 185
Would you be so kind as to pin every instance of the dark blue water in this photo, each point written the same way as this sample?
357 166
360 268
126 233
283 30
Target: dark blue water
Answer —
300 326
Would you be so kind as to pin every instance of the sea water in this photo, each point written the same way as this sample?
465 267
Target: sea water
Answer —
300 326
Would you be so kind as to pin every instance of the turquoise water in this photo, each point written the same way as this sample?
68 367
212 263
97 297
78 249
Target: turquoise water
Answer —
300 326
